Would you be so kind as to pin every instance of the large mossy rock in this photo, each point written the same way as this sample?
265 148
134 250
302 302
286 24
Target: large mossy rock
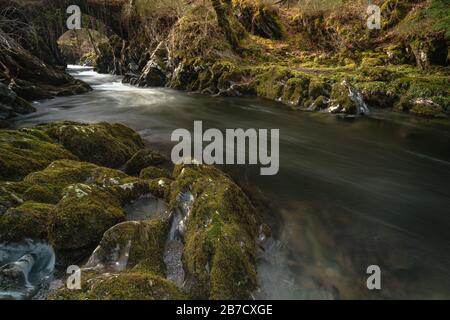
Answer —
27 150
136 245
77 206
143 159
221 228
27 221
104 144
82 216
32 149
81 202
122 286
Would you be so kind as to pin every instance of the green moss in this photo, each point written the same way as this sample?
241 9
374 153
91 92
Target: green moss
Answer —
146 240
427 109
27 221
120 286
11 195
109 145
79 220
295 91
50 182
259 18
219 254
142 159
429 87
340 99
27 150
150 173
136 286
41 193
319 87
160 188
269 82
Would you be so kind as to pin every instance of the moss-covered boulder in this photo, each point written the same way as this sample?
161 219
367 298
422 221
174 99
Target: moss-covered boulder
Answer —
269 82
105 144
295 91
321 103
27 221
142 159
49 184
133 245
122 286
341 101
160 188
220 232
27 150
421 107
82 216
347 99
11 195
150 173
88 200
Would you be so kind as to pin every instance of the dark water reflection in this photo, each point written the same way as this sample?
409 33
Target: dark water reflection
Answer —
350 193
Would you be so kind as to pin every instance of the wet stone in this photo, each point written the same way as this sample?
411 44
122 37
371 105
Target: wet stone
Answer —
147 207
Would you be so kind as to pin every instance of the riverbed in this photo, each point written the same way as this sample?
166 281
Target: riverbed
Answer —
350 193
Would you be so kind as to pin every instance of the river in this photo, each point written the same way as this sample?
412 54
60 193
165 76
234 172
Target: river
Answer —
350 192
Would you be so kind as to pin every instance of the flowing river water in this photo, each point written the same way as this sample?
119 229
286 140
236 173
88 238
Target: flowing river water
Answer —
350 192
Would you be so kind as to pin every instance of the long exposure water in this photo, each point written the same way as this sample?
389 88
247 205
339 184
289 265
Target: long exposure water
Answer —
350 192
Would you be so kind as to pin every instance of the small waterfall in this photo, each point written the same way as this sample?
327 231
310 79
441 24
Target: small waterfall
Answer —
174 246
357 98
185 200
24 267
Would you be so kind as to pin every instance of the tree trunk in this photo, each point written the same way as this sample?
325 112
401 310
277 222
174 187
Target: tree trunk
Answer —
224 23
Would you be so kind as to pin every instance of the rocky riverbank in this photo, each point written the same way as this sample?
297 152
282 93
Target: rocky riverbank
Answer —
312 60
68 184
